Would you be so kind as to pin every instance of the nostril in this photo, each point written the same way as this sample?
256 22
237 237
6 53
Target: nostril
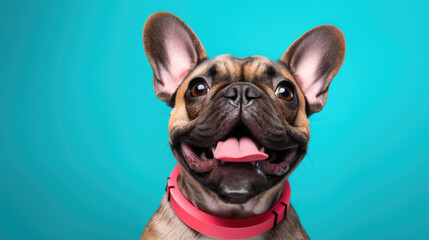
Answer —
242 93
250 93
231 92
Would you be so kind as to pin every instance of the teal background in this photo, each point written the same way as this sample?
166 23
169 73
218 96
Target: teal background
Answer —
83 139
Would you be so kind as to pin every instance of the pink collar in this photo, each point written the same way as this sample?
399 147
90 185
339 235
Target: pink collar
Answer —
220 227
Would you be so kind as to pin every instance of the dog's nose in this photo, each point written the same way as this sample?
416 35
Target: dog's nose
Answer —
242 93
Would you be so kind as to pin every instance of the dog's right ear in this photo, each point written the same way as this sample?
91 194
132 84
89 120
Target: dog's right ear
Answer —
173 51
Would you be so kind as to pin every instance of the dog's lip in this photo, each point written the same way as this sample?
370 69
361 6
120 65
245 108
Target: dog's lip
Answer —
198 162
279 165
201 160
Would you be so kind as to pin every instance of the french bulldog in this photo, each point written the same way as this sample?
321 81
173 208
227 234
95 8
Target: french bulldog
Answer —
227 106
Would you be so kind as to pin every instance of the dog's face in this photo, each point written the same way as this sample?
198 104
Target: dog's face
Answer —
239 126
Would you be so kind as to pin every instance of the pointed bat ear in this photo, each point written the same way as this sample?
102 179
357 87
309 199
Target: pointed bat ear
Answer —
315 59
173 51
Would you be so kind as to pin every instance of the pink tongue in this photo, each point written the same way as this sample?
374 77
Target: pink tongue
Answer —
238 150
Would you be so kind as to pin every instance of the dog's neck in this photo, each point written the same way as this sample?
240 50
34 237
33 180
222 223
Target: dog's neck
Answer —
207 201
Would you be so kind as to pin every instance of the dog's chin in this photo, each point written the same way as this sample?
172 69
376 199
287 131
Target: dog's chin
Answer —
238 182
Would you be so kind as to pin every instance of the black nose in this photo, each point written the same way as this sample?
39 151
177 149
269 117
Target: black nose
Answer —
242 93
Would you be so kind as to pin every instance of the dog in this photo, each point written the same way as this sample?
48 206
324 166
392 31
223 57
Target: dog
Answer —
227 105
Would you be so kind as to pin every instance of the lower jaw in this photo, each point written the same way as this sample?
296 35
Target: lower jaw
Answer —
261 166
266 167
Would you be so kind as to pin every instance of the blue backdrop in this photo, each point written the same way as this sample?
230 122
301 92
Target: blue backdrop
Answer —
83 139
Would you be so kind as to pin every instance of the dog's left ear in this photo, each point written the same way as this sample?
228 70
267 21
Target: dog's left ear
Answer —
315 59
173 51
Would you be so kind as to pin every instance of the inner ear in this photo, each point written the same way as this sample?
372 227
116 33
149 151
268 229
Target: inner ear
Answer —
315 59
173 51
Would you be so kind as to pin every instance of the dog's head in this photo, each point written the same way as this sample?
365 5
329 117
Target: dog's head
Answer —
250 109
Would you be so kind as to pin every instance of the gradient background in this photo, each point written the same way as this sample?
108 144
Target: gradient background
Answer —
83 139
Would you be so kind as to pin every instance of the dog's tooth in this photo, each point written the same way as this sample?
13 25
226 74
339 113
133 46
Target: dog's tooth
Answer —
203 156
213 149
262 149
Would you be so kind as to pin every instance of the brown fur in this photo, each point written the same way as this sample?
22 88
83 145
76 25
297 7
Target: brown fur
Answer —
165 224
218 73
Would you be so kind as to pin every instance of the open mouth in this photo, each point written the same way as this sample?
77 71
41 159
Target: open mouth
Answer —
239 148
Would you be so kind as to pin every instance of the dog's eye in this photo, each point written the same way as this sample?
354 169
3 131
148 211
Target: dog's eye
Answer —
284 92
198 88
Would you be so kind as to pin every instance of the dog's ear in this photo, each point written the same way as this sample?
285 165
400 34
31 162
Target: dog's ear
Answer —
173 51
315 59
